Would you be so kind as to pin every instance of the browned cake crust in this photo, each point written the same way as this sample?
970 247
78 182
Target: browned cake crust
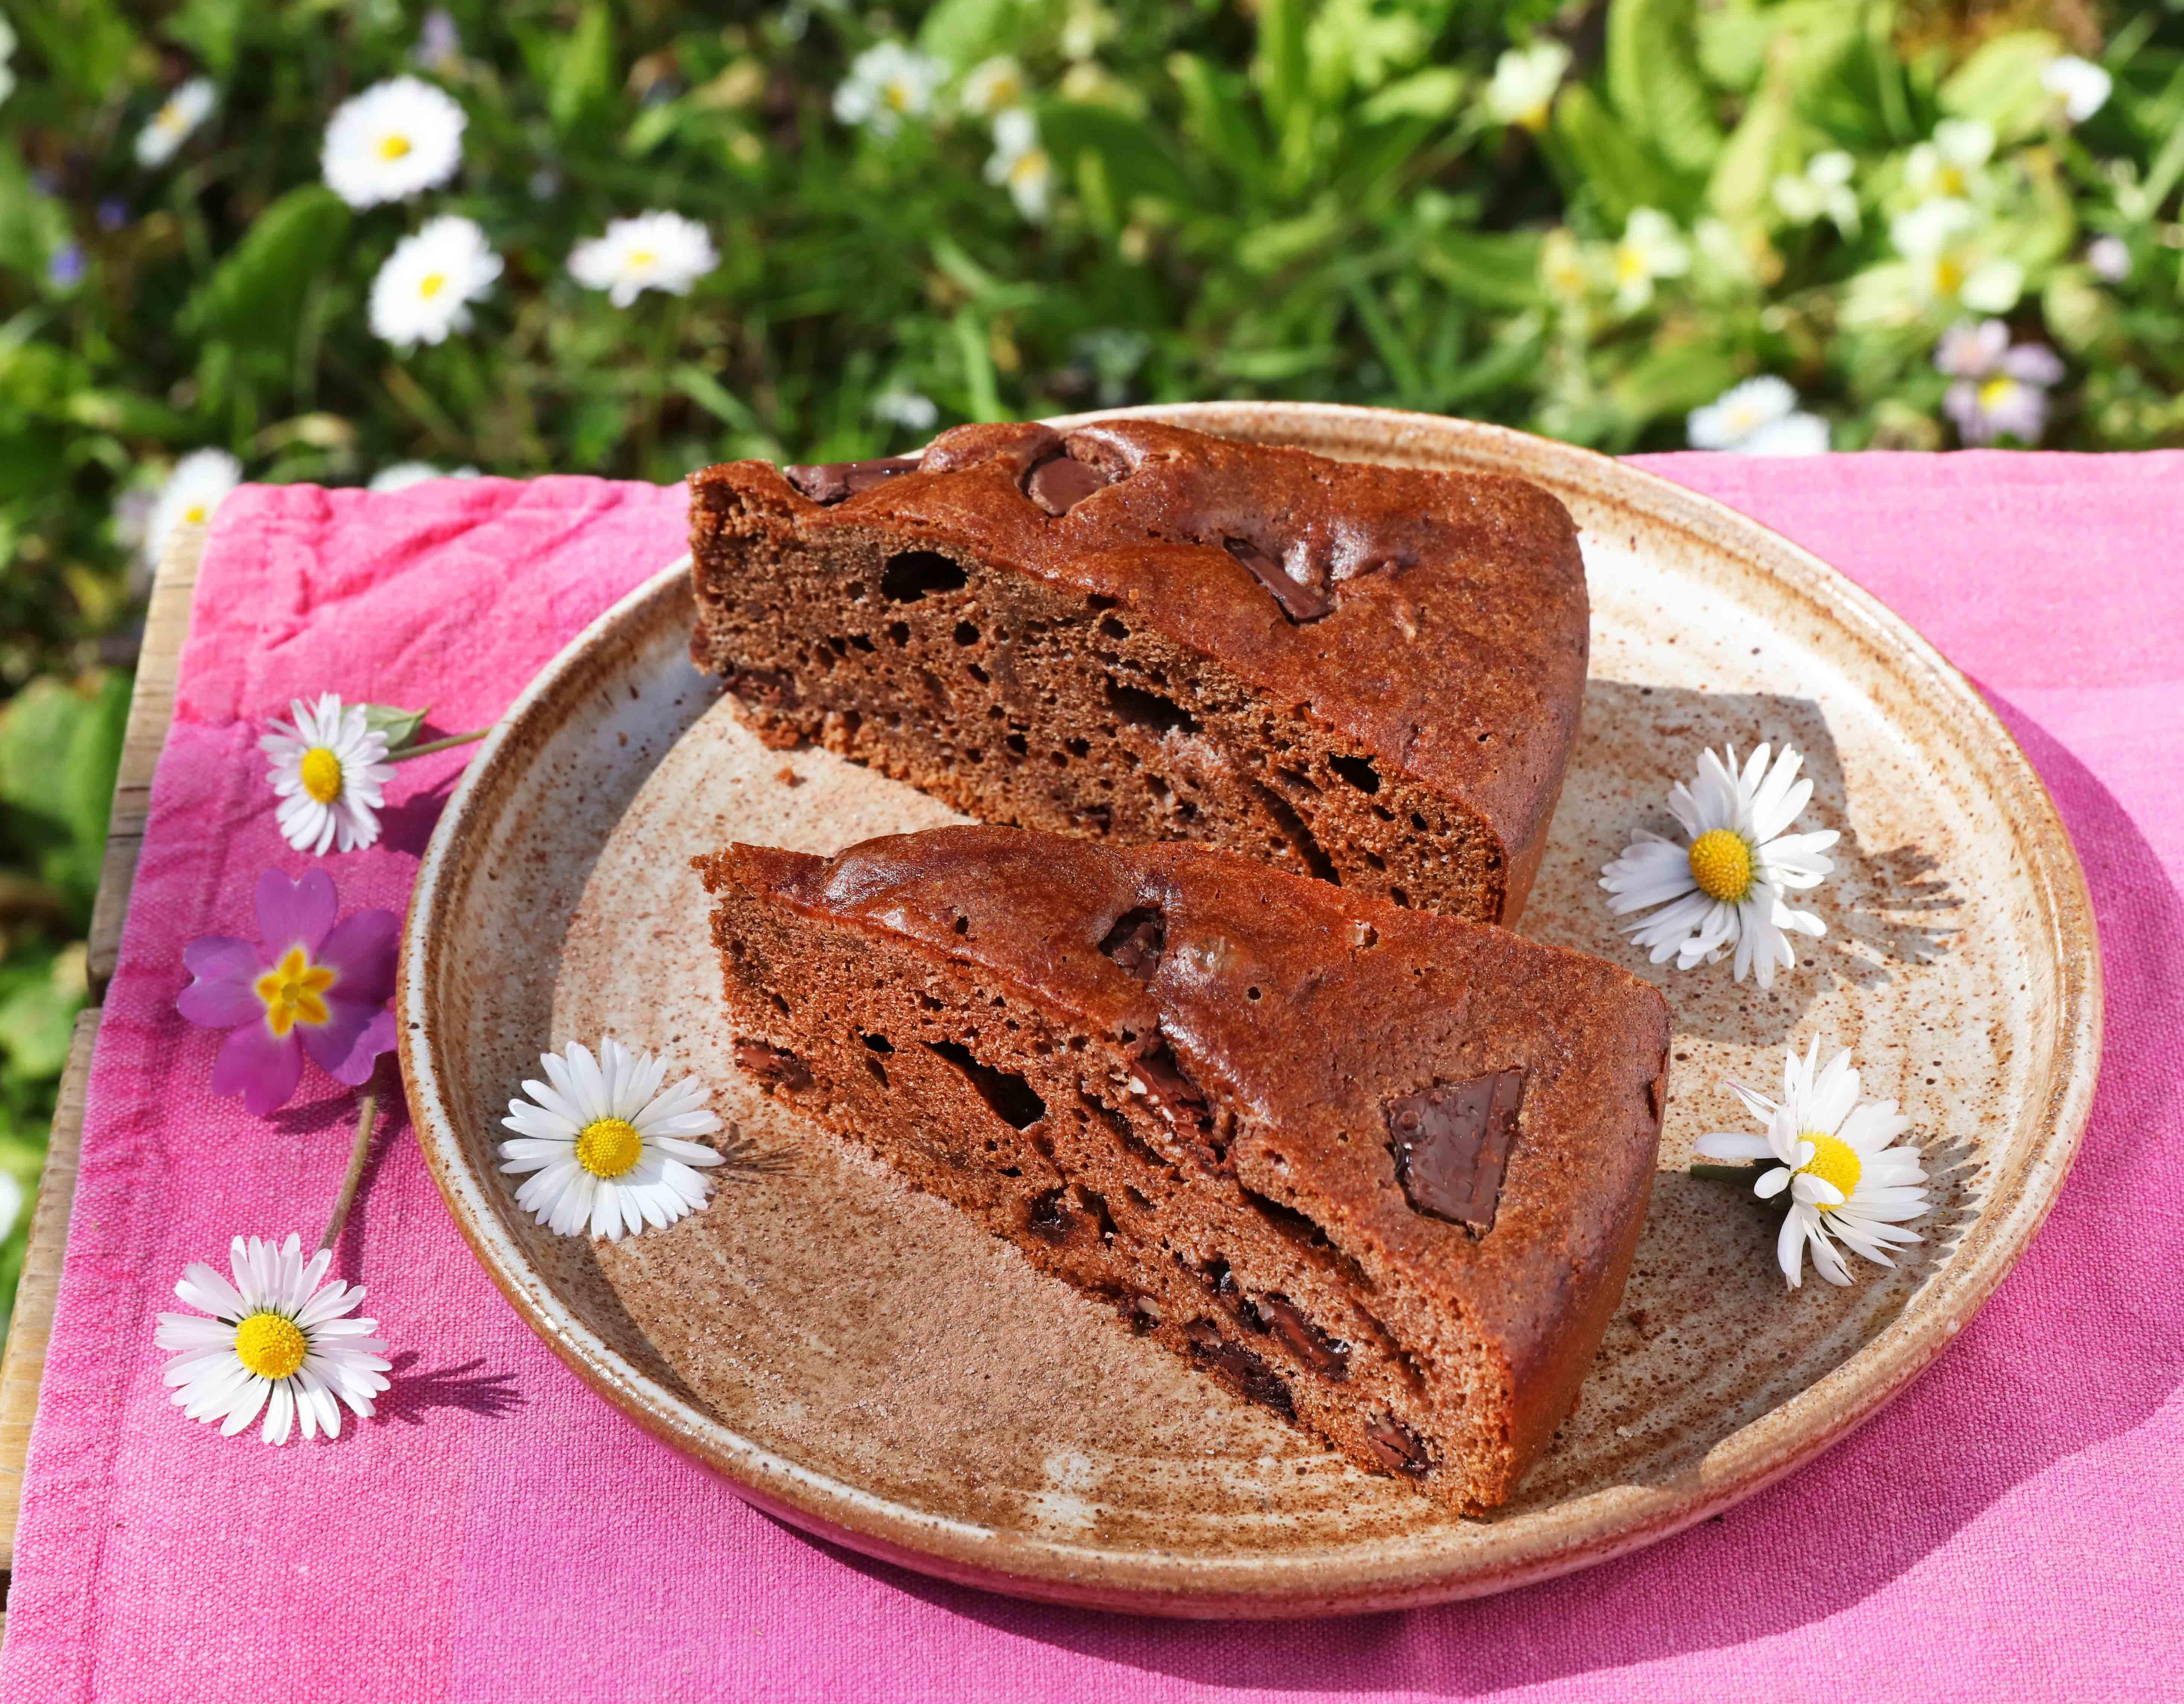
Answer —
1379 1169
1370 674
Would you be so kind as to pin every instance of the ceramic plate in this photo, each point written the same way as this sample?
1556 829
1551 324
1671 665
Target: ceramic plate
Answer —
864 1362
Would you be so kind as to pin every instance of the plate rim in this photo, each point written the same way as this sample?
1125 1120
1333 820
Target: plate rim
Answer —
1757 1455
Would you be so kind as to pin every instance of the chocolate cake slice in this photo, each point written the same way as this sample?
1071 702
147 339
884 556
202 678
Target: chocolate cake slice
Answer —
1380 1170
1368 674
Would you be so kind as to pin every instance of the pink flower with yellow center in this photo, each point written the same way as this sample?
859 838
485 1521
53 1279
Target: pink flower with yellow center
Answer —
308 985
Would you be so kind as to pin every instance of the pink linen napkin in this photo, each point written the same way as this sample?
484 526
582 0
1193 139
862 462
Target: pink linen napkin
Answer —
2007 1528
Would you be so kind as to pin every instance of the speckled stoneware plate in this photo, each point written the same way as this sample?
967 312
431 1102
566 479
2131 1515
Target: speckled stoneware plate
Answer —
865 1362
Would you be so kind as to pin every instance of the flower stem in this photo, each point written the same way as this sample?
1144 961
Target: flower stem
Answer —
1725 1174
358 1148
432 745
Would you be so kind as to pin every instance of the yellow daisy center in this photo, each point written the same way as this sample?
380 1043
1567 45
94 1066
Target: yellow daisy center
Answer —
1948 276
1995 392
1630 265
1721 864
393 147
194 513
271 1345
897 97
1949 180
1030 167
1534 116
432 284
1834 1161
293 990
321 773
608 1147
640 259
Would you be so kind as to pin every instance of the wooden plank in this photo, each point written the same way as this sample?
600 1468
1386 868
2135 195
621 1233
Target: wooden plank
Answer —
151 711
25 1362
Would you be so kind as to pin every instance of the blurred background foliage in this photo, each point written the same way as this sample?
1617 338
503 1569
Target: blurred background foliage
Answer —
1359 200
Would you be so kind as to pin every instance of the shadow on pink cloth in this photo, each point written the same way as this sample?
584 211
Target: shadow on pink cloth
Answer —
1999 1410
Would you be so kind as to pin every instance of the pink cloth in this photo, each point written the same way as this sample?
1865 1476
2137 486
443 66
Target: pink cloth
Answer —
2008 1529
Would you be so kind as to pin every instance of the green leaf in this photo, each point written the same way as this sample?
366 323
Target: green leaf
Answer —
1759 149
399 726
1494 268
1605 159
583 61
255 296
1651 81
963 32
1672 381
212 29
1218 118
1433 93
38 1015
85 44
2001 83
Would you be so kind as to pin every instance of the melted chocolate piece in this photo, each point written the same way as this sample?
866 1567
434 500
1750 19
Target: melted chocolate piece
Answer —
1327 1356
775 1068
1237 1367
1049 1219
1451 1146
1059 483
1300 602
830 482
1135 942
1399 1447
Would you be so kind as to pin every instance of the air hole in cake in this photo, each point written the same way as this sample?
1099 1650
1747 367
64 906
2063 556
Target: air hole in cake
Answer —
1136 708
1047 1217
898 633
878 1044
963 923
1399 898
878 1071
1096 1204
1080 748
1295 836
1359 772
1253 994
1296 780
862 641
1016 743
966 633
912 576
1113 629
1014 1101
1417 822
1135 942
980 675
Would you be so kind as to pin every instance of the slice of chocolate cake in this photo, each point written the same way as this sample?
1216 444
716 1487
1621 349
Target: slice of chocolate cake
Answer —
1368 674
1380 1170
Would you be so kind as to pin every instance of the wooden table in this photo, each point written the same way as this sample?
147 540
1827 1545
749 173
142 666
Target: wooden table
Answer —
150 713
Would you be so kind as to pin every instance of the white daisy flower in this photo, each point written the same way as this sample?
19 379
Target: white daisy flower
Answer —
1020 163
1942 240
911 409
993 87
328 768
2082 86
400 476
424 289
1721 890
7 53
396 138
1831 1153
653 251
178 116
191 497
887 83
1524 82
277 1340
606 1148
1759 417
1821 191
1650 249
1953 162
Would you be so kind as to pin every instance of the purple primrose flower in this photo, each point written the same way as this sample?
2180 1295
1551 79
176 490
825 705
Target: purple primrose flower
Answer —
308 985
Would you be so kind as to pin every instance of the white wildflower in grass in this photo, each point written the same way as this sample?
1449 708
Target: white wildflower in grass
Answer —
1524 82
424 289
1949 267
400 476
1759 417
1568 270
2110 257
1721 888
7 55
191 497
1953 164
907 409
887 84
278 1339
993 87
328 767
1821 191
605 1148
1650 249
1087 27
2081 85
178 117
395 139
1832 1154
2001 389
1021 163
653 251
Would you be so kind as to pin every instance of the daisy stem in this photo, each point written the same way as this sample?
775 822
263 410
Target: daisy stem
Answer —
1724 1174
358 1148
432 745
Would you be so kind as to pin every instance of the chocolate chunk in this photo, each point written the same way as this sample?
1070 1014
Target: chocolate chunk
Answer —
1451 1146
1060 482
1237 1367
1299 602
1328 1356
775 1068
1135 942
830 482
1049 1219
1398 1447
